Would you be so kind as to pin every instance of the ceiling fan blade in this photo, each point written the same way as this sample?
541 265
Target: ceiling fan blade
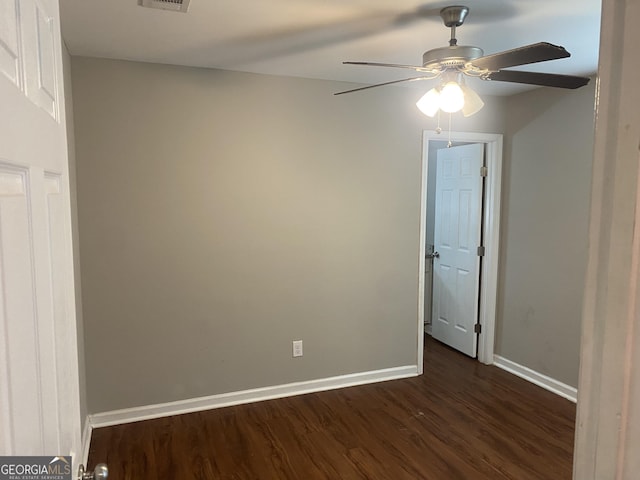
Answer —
392 65
413 79
537 52
542 79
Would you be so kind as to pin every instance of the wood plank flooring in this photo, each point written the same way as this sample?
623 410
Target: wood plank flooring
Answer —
460 420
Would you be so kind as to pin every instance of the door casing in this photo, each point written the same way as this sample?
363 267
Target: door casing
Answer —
491 229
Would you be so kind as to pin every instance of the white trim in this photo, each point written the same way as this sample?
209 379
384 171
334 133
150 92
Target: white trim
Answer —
179 407
86 441
422 252
489 281
608 424
491 226
548 383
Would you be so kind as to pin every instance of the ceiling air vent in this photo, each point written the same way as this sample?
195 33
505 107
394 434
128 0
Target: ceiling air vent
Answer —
173 5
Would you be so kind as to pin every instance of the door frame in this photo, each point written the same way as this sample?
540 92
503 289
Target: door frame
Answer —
491 229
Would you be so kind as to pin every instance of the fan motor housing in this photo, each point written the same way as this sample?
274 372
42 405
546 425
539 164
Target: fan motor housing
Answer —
453 56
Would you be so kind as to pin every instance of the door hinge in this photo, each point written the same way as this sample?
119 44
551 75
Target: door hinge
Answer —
477 328
481 251
484 171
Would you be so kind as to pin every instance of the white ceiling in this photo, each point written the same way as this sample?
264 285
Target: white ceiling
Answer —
311 38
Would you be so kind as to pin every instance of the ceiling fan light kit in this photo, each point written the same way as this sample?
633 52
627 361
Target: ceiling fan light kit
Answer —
454 62
452 96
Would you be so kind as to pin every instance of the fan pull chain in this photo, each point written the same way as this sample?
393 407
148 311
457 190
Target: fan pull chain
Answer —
449 145
438 129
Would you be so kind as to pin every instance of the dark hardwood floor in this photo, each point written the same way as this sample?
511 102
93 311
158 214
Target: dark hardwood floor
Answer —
460 420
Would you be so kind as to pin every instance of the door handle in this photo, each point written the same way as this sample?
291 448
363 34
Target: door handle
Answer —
433 255
101 472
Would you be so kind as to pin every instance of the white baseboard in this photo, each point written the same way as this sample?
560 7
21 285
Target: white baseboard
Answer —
86 441
548 383
147 412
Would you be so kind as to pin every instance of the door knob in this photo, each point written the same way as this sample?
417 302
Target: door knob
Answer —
101 472
433 255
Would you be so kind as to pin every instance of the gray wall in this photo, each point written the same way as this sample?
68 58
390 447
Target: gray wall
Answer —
432 166
547 181
223 215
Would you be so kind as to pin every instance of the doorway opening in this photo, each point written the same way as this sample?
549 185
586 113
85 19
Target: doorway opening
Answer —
490 220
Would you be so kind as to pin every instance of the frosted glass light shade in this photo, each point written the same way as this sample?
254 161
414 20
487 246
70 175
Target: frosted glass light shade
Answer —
472 101
429 103
451 98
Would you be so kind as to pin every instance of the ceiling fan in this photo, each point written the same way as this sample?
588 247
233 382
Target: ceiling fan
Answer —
462 60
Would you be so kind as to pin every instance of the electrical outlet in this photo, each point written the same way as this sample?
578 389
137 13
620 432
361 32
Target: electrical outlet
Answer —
297 348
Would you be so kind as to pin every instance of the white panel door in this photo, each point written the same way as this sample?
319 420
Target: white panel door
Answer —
457 236
39 400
